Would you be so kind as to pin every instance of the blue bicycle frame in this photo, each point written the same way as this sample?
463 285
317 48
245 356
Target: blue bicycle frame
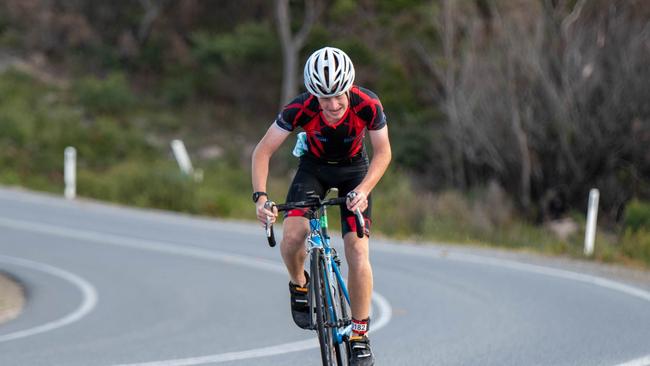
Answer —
320 240
333 321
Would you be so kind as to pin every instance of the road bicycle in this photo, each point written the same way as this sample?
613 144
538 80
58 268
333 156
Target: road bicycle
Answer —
329 298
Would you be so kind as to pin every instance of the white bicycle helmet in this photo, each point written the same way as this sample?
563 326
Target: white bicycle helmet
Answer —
328 72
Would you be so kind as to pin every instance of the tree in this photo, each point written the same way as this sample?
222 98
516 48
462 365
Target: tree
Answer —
545 96
293 43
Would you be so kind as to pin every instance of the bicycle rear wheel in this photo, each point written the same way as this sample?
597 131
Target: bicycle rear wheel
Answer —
319 293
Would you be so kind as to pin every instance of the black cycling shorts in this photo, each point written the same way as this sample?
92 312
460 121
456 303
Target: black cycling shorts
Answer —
317 176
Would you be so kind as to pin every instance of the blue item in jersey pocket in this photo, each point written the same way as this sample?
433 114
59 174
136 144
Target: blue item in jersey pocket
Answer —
301 145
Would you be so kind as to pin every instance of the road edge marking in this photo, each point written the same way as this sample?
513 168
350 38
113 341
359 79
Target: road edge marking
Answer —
88 292
443 254
382 304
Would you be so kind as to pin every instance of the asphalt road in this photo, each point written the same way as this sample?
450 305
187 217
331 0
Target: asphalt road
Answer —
115 286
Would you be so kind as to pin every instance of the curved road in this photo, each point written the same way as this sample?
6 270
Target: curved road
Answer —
115 286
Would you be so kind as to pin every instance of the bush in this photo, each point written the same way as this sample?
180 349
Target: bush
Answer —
140 183
106 142
225 191
397 210
105 96
178 90
636 244
637 215
248 43
635 241
37 122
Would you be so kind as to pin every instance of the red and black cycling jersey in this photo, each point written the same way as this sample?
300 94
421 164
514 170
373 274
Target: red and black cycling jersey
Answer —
343 139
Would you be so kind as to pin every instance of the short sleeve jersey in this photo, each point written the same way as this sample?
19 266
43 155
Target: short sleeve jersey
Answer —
343 139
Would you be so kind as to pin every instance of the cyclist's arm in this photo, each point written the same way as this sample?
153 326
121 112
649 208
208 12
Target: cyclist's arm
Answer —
380 159
271 141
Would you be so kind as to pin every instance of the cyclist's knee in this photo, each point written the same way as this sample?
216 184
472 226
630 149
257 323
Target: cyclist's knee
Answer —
356 250
358 265
295 238
353 241
295 231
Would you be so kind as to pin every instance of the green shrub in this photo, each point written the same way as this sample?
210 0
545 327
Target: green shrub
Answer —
111 95
636 244
38 121
178 90
141 183
250 42
397 210
105 142
225 191
343 8
637 215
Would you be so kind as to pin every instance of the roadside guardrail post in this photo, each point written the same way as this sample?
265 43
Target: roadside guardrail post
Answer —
182 157
70 172
592 213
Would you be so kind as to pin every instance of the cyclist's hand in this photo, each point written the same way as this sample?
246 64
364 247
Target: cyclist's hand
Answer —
264 214
358 200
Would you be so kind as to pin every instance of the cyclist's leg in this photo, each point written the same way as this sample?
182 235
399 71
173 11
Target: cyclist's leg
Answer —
360 280
293 254
360 285
296 224
292 247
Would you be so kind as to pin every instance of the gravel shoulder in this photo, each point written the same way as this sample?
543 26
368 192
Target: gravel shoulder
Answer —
12 298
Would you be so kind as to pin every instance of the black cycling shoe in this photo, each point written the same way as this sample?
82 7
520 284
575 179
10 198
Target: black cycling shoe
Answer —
361 352
300 304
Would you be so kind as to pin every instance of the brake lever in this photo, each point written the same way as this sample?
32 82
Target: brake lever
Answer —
268 227
361 223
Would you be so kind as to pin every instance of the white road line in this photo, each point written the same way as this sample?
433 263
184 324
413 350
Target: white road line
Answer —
560 273
382 304
385 310
117 210
143 244
88 293
644 361
554 272
442 254
234 356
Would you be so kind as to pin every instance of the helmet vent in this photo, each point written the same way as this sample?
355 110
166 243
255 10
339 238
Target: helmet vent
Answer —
328 72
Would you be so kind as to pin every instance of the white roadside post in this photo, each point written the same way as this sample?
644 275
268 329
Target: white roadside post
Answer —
592 213
70 172
183 159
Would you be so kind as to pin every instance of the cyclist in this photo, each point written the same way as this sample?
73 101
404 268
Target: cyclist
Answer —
335 114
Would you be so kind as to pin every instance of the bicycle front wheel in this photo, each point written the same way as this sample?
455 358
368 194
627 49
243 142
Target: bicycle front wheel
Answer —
319 292
342 312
